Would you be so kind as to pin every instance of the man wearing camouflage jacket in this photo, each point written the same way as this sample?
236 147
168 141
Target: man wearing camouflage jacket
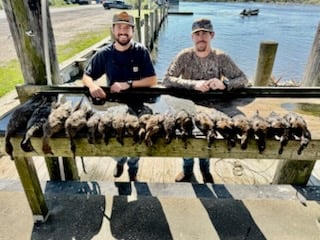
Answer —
202 68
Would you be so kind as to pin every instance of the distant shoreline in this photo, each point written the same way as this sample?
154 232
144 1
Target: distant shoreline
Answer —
302 2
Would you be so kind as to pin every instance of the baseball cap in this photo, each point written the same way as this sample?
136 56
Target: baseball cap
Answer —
202 24
123 17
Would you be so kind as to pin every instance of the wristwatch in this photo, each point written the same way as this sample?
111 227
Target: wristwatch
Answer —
226 82
130 83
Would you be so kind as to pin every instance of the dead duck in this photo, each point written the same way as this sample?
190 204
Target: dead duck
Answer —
56 120
259 126
185 125
132 126
36 122
105 126
204 122
143 119
298 130
19 120
225 127
118 126
154 127
241 125
92 126
169 125
278 129
75 123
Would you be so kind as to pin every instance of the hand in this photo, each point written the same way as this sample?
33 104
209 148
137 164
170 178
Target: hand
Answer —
202 86
97 92
216 84
118 86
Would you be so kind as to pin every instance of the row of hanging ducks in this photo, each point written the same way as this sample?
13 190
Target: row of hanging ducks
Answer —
46 116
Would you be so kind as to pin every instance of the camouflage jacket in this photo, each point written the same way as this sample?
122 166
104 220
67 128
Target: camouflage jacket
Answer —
187 68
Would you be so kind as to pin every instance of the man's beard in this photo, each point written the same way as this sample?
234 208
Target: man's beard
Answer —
123 42
201 46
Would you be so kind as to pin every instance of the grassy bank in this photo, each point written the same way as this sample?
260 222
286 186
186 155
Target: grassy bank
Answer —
10 73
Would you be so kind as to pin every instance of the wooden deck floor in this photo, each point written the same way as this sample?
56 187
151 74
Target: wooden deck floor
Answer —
164 170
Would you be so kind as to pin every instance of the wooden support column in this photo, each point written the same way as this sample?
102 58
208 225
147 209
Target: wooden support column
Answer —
312 73
151 29
266 59
293 172
53 168
146 31
26 27
70 169
31 185
138 29
156 24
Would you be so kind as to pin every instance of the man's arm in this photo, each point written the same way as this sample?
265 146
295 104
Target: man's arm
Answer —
95 90
237 79
144 82
173 79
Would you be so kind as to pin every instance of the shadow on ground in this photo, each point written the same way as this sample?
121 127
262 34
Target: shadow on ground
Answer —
72 216
77 210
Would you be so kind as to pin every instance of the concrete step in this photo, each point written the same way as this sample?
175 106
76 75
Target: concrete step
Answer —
107 210
186 190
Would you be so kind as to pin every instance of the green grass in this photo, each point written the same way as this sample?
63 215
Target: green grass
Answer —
11 75
79 43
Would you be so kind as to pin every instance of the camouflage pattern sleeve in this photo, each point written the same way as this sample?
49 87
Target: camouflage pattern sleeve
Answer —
230 70
175 76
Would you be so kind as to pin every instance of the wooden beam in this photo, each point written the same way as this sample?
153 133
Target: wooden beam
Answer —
196 147
26 91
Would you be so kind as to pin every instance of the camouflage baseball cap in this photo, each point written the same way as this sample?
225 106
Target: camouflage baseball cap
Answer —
123 17
202 24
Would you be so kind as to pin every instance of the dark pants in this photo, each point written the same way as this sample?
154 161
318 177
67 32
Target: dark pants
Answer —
189 162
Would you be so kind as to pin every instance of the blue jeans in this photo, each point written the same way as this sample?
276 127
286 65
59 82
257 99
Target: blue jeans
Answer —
189 162
133 163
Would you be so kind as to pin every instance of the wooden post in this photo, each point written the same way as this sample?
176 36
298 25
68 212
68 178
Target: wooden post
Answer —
312 73
146 31
70 169
138 29
266 58
53 168
151 29
30 182
156 24
26 27
293 172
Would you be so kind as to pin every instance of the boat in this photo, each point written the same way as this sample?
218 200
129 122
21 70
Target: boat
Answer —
249 12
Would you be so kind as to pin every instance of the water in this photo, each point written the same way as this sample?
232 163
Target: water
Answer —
293 27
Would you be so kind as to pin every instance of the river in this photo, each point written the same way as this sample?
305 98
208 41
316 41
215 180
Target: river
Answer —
293 27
